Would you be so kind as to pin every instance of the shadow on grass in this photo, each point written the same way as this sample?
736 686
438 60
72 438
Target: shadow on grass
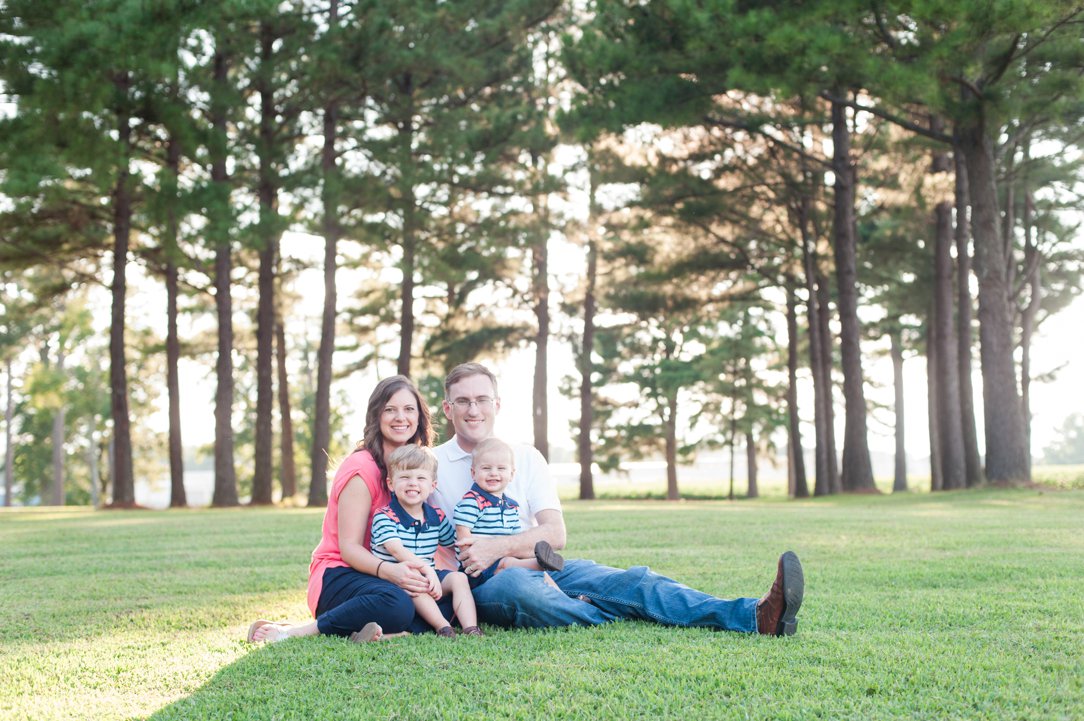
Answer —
521 674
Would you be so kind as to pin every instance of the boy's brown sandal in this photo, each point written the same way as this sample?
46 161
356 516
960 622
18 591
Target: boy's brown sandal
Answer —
548 559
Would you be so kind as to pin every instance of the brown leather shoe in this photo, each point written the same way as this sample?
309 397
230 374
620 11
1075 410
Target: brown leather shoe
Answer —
472 631
776 612
446 632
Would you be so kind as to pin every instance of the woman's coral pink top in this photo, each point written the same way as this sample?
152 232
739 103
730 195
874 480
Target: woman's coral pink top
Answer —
327 555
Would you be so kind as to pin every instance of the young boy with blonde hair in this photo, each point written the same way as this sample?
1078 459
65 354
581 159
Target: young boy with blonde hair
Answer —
485 510
409 529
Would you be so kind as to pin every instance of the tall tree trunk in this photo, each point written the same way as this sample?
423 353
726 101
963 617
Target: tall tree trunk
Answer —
1006 442
92 462
59 420
406 324
824 301
265 312
540 281
751 464
822 484
123 479
937 479
331 190
732 442
225 489
797 454
953 465
286 432
584 451
670 423
410 240
857 470
899 481
962 237
9 449
177 496
1032 263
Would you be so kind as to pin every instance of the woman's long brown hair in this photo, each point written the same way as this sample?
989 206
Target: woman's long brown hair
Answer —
372 440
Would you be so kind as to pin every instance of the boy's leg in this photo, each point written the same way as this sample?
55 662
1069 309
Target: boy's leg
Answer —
509 562
528 563
427 608
457 586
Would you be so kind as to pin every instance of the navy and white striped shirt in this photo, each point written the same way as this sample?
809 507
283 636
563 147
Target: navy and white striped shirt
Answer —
420 537
485 514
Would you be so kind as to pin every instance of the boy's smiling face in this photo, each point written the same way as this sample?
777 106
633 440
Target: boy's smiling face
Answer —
493 471
411 486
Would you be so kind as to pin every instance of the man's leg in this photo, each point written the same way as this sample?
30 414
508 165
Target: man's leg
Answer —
517 597
638 593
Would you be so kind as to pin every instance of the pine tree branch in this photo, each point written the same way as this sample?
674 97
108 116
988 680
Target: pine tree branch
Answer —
890 117
761 131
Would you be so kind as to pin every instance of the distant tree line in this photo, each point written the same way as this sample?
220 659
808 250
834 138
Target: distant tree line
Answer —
737 196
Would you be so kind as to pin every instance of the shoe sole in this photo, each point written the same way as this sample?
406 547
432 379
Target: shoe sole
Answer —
793 593
548 559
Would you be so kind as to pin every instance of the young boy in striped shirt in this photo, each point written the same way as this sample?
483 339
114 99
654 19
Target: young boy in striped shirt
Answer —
409 529
485 510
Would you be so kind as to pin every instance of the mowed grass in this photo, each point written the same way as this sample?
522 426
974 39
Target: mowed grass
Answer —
962 605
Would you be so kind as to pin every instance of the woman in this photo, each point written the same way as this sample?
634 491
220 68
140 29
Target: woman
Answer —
350 592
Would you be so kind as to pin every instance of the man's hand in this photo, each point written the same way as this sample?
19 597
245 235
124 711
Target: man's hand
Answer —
478 553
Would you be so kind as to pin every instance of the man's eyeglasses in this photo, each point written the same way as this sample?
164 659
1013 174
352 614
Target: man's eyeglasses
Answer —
484 403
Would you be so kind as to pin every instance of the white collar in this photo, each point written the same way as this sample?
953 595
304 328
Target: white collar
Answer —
455 451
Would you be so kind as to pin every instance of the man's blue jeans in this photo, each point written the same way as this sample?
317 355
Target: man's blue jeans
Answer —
519 597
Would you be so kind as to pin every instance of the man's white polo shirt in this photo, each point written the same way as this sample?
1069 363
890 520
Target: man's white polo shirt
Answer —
531 486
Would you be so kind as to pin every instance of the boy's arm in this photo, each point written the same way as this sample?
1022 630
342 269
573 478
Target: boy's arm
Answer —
402 554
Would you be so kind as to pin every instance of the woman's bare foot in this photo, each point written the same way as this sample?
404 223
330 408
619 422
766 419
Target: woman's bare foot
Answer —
369 632
264 631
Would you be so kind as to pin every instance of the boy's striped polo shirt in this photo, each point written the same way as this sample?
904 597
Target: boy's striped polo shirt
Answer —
486 514
420 537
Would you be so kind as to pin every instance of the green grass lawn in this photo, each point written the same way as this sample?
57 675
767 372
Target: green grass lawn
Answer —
961 605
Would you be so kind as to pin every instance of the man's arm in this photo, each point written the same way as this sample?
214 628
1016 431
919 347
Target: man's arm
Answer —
480 552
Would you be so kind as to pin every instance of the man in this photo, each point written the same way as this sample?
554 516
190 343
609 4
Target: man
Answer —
520 597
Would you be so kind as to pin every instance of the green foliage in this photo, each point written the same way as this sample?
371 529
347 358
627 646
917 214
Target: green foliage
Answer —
876 638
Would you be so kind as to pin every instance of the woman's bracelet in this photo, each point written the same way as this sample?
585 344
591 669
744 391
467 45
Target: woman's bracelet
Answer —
378 568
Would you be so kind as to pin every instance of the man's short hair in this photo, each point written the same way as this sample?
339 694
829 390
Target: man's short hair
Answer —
465 370
410 457
490 445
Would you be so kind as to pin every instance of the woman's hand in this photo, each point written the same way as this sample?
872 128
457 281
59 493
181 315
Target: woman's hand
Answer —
409 576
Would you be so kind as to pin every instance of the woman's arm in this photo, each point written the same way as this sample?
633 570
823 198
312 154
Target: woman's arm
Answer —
403 555
355 504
